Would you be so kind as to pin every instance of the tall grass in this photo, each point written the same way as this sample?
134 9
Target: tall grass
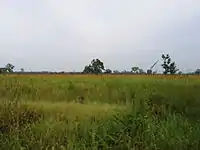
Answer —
118 112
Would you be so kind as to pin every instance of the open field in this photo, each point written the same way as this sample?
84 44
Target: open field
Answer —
99 112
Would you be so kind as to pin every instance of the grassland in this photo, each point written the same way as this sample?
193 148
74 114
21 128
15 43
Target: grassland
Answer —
118 112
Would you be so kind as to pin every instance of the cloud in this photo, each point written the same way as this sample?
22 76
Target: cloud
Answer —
63 34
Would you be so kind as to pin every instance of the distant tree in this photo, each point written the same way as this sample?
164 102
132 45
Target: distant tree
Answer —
180 72
3 70
88 69
168 66
95 67
9 67
149 71
135 70
141 71
197 72
22 69
154 72
126 72
107 71
116 71
61 72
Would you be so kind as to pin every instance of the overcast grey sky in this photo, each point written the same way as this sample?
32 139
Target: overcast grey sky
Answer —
67 34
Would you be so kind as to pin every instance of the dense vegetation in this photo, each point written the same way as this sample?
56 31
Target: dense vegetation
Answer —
99 112
97 67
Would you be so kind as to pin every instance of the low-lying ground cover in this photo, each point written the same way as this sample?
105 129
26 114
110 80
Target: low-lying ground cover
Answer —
99 112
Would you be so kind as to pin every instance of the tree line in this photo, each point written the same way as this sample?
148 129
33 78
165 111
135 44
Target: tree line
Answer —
97 67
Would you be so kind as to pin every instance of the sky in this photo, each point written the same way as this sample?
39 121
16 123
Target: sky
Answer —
65 35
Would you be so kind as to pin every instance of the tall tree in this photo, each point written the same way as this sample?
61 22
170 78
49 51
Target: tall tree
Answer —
168 65
9 67
135 70
95 67
88 69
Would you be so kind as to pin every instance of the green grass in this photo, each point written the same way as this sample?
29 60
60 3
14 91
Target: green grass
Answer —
118 112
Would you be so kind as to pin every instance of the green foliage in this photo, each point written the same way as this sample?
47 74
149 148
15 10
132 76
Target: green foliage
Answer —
9 67
22 69
37 112
96 67
108 71
135 70
3 70
116 71
168 66
88 69
141 71
149 71
197 72
180 72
